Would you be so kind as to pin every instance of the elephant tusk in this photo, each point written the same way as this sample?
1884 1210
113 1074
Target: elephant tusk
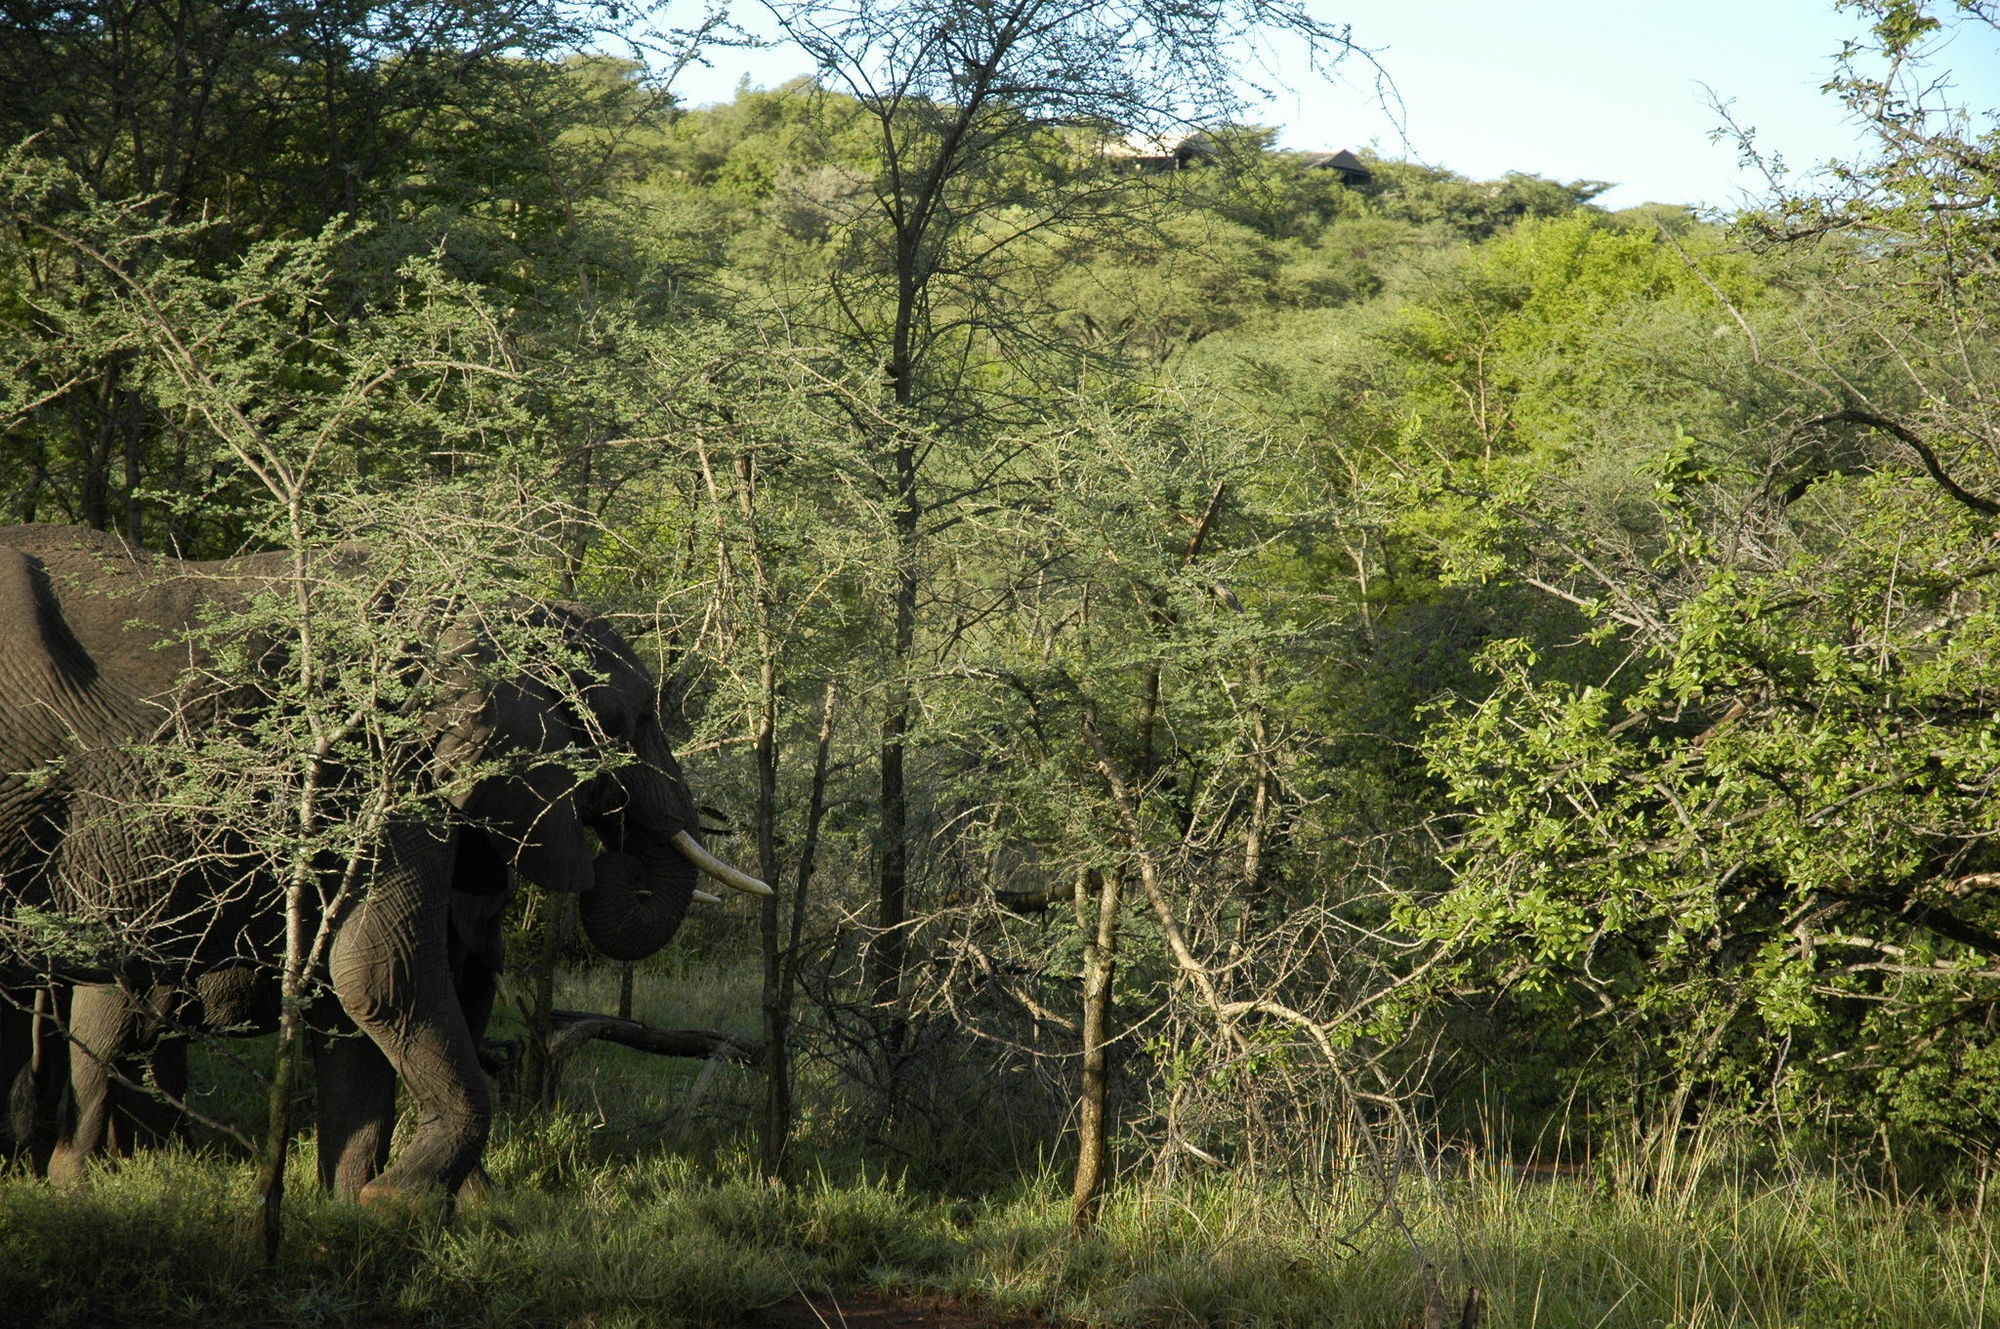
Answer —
715 867
700 896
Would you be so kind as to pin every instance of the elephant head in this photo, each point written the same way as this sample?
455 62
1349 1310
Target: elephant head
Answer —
582 754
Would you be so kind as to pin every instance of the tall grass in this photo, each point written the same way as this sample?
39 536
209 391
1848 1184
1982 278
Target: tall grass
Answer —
638 1203
672 1238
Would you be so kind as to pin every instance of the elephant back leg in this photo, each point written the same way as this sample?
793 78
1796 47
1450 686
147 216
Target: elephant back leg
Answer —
34 1066
478 954
107 1028
477 961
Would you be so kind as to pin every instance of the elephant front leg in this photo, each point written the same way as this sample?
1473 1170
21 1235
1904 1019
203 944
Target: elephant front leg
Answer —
390 972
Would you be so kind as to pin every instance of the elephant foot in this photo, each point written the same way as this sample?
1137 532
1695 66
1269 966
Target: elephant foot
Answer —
477 1188
350 1173
67 1166
388 1199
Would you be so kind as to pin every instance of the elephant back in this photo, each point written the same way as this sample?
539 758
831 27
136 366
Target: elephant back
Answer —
58 711
128 609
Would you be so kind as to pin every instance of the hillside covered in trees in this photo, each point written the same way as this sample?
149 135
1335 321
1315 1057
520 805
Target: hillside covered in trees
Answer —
1250 672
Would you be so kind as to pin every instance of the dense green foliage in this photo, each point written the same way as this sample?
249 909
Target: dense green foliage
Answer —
1365 664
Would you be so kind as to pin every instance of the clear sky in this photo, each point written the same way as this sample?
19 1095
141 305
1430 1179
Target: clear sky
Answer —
1616 90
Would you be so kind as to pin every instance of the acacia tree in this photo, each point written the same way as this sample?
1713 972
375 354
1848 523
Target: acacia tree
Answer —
1118 740
778 536
304 759
469 134
306 737
986 121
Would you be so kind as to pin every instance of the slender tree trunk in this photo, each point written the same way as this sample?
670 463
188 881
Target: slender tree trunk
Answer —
910 216
781 970
915 208
892 915
541 1072
298 881
277 1139
538 1077
1100 949
776 1133
776 1099
1100 955
284 1077
1260 797
1258 829
892 895
1162 617
131 420
94 500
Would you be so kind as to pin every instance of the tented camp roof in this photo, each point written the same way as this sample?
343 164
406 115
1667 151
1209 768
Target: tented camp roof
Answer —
1350 166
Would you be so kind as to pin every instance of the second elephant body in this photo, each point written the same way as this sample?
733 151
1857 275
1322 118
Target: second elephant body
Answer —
115 1082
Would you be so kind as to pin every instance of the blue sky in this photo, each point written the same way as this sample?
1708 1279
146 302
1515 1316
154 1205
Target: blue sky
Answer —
1613 90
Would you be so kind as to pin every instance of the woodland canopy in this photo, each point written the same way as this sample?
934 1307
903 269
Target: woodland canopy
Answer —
1223 662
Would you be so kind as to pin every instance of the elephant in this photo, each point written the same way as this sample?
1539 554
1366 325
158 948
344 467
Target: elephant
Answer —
106 1033
34 1067
119 1039
95 663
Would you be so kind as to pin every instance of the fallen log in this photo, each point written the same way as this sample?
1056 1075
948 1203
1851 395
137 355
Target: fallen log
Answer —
570 1030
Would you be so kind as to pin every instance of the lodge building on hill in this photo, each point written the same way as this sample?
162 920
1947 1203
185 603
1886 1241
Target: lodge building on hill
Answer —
1151 153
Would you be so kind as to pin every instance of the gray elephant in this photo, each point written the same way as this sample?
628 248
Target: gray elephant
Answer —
34 1068
93 664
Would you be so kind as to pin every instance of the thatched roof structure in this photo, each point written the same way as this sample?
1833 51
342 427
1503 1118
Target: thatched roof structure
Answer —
1353 171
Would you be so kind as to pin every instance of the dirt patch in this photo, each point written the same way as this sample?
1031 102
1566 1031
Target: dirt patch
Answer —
870 1311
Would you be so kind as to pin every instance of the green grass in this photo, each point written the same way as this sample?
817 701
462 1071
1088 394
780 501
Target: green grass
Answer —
673 1239
633 1206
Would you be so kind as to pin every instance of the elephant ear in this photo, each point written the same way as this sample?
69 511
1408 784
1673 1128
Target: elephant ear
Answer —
535 813
527 805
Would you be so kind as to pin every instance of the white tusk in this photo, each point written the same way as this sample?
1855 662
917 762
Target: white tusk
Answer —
715 867
701 896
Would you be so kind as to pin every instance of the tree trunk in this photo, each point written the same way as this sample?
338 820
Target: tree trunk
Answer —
132 421
277 1138
285 1065
782 970
1100 954
892 915
892 894
777 1104
538 1083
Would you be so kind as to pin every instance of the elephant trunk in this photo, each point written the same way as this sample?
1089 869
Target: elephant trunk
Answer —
639 899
